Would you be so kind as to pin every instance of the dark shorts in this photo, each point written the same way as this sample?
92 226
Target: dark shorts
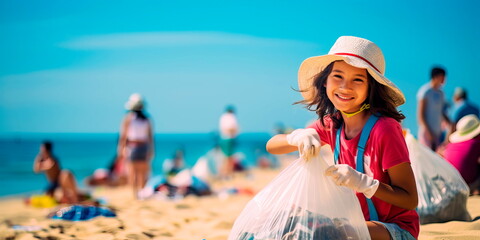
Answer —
138 152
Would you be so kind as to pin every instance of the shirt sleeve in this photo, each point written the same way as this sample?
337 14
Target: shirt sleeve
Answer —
392 148
422 92
324 132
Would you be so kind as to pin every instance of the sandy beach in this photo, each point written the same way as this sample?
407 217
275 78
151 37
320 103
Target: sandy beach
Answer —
209 218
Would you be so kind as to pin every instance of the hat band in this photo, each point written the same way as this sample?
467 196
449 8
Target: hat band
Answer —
470 130
357 56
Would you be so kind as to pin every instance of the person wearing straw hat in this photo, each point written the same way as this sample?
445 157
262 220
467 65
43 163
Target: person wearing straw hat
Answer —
136 142
358 117
463 151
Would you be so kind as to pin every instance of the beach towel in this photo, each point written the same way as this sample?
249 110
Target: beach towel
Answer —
81 213
302 203
442 192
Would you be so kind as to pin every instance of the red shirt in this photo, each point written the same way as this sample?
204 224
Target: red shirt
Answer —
384 149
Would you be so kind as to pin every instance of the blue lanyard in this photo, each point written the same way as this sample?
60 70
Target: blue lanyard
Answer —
360 154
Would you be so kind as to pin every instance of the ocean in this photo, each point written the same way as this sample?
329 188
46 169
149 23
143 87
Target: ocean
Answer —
84 153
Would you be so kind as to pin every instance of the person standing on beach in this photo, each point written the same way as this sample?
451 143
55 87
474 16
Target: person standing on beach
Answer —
136 142
62 180
432 110
349 92
228 133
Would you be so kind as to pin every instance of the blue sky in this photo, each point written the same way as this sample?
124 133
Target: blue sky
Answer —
70 66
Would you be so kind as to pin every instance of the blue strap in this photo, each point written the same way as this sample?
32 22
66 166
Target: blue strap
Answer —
360 153
363 141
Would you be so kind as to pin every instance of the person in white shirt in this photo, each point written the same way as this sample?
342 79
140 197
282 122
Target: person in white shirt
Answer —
136 142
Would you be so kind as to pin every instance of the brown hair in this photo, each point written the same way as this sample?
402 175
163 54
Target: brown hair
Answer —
380 102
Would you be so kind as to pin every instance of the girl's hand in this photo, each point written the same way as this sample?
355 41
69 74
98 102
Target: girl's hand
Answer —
344 175
307 141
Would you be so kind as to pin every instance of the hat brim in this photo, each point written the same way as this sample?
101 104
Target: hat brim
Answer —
456 137
312 66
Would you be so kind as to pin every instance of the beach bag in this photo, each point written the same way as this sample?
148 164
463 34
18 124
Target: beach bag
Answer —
302 203
442 192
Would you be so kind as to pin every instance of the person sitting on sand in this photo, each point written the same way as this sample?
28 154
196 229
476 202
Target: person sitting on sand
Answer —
62 180
463 151
177 163
114 175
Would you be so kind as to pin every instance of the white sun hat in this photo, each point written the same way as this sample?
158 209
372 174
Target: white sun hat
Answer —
135 102
355 51
468 127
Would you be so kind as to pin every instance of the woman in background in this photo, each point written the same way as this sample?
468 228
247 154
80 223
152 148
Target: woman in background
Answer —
136 142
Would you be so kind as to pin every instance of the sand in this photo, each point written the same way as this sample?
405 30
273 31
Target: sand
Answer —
209 218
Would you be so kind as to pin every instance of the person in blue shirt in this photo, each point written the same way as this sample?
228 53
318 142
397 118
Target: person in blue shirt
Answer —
461 107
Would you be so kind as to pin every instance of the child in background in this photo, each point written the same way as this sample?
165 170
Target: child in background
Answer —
348 91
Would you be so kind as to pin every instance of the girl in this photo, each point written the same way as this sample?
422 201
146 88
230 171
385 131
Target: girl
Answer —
136 142
348 91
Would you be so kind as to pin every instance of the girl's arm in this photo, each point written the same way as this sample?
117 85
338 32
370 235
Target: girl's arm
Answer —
278 145
123 136
43 163
402 191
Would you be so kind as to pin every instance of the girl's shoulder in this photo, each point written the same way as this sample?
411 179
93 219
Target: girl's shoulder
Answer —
326 125
388 121
387 125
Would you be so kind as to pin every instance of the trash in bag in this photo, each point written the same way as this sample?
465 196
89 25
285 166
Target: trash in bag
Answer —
81 213
302 203
442 192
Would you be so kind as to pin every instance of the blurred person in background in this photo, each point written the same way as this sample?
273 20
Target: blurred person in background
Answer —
228 133
61 181
463 151
461 107
431 110
136 142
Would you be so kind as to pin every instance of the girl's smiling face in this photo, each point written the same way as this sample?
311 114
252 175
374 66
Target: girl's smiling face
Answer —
347 87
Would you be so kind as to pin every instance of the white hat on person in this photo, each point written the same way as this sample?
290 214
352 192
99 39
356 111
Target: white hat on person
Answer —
468 127
358 52
135 102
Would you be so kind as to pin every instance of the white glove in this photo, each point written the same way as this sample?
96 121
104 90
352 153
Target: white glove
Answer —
307 141
344 175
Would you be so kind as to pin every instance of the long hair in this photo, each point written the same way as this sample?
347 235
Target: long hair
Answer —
140 114
380 102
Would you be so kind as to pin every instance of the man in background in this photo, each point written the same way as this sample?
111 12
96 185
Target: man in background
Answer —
431 110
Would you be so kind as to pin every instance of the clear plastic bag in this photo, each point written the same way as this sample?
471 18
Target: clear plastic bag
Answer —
302 203
442 192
